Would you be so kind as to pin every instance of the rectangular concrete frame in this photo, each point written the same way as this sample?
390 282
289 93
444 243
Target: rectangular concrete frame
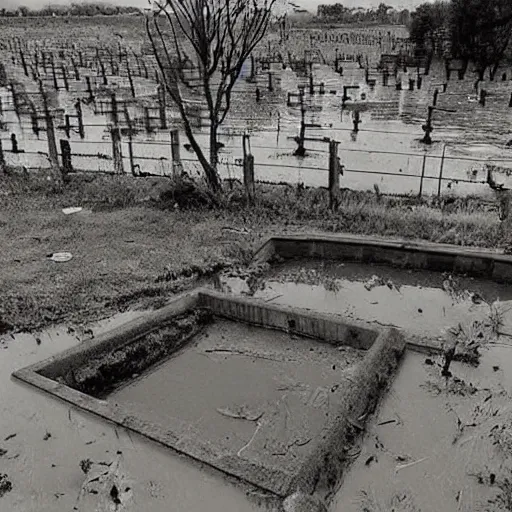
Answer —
385 348
419 255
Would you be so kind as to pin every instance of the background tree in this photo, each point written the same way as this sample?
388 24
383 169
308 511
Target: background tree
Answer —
481 32
428 27
217 36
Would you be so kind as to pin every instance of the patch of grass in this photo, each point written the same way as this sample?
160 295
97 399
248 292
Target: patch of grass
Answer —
147 238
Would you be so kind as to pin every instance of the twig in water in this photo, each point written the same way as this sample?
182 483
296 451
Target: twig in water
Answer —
404 466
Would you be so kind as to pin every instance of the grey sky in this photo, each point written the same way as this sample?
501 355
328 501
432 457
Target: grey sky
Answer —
306 4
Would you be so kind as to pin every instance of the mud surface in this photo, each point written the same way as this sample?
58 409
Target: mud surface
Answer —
437 444
43 442
252 393
422 304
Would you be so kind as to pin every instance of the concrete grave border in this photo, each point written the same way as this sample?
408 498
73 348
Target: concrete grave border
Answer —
474 262
324 466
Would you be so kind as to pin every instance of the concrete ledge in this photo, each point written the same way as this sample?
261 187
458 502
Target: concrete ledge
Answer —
116 338
420 255
325 466
292 320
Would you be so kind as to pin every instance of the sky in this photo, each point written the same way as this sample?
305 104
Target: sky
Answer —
311 5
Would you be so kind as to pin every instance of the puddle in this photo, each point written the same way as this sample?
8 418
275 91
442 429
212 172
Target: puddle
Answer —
423 304
247 391
422 452
46 439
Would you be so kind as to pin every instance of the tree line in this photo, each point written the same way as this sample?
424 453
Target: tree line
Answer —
383 15
473 31
74 9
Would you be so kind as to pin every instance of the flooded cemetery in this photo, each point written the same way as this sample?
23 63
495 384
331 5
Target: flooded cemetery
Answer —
313 371
360 88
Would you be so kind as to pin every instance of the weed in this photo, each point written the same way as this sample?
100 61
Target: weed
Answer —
86 465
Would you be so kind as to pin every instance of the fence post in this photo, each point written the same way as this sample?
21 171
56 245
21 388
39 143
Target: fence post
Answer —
65 77
130 79
14 143
89 88
115 133
441 173
15 101
147 120
162 107
79 115
248 163
23 62
177 166
34 121
54 74
334 176
2 158
75 68
422 173
130 141
65 150
50 131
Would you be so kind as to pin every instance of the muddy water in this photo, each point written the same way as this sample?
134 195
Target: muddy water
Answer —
246 391
415 457
423 304
435 444
46 439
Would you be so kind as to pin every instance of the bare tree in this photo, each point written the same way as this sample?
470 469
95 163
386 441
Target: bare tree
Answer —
220 35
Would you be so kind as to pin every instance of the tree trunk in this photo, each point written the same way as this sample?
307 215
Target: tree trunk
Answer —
493 70
481 75
213 146
210 172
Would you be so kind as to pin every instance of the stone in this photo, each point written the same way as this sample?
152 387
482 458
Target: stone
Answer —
301 502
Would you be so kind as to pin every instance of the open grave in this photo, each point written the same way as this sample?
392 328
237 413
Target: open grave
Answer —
269 395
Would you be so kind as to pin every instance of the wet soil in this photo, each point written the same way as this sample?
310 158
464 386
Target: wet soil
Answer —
437 444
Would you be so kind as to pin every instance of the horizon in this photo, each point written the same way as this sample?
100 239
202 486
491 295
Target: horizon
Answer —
310 5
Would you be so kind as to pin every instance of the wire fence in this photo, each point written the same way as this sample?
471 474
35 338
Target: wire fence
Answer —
427 172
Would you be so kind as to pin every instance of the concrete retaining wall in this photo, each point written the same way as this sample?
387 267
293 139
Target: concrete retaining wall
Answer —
122 335
324 468
283 318
422 255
